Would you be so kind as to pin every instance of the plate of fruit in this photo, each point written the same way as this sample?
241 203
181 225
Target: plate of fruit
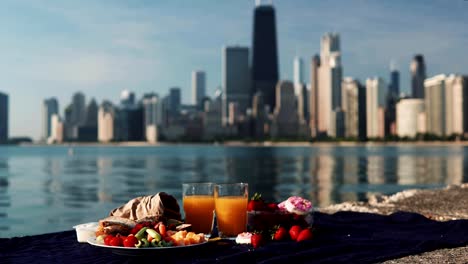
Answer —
126 237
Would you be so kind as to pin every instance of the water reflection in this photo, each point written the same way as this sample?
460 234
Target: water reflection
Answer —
4 197
73 189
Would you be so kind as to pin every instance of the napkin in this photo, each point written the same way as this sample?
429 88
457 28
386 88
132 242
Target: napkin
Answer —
151 207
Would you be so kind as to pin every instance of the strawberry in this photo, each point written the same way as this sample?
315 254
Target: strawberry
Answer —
272 207
294 232
280 234
256 240
256 203
305 234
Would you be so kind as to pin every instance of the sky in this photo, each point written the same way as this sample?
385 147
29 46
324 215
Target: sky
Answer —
56 48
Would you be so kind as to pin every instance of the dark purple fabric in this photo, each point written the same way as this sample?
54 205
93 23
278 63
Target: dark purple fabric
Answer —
344 237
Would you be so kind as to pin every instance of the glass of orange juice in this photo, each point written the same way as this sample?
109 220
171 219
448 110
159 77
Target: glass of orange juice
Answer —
231 208
199 205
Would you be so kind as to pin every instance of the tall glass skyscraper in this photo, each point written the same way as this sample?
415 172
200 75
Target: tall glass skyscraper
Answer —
3 117
236 79
265 56
49 107
418 75
198 88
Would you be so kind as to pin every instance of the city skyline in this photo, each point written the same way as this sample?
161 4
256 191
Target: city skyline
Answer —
121 46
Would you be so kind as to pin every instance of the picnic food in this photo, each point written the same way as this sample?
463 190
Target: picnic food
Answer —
244 238
288 220
298 205
113 225
149 208
147 221
257 240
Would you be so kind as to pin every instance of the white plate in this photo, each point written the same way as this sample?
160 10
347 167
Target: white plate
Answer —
131 251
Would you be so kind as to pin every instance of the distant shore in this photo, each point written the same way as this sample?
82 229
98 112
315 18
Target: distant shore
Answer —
259 144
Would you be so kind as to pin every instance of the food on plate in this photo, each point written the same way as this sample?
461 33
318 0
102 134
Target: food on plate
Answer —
147 221
113 225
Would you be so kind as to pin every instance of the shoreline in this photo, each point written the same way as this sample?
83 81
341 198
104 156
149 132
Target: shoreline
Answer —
255 144
443 204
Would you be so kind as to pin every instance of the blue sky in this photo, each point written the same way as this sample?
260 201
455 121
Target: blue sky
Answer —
55 48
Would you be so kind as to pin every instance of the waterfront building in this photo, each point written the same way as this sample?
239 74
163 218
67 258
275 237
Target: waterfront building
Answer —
302 103
3 117
407 116
127 99
298 75
375 107
285 116
212 121
78 109
152 111
418 75
435 105
236 79
198 88
337 123
259 116
50 107
354 107
107 122
456 101
313 103
394 86
174 101
330 74
88 131
265 72
56 130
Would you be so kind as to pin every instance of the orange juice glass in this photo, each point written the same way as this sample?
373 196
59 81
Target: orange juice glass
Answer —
231 208
199 205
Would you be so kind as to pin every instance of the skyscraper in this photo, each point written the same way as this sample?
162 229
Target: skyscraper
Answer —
285 121
265 57
127 99
418 75
456 101
330 72
407 112
394 87
313 104
354 106
434 102
375 107
50 107
107 122
198 88
78 109
3 117
174 101
298 74
236 79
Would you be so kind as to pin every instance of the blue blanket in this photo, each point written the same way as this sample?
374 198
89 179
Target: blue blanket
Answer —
344 237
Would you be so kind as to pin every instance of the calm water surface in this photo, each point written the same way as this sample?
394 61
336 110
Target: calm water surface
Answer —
48 189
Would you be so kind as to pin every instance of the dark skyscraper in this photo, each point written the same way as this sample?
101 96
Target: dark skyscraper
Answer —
3 117
418 75
313 104
265 57
394 87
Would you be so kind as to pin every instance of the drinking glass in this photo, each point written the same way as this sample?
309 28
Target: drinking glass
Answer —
199 205
231 208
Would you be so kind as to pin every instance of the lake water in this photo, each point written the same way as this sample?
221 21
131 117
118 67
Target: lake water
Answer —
48 189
